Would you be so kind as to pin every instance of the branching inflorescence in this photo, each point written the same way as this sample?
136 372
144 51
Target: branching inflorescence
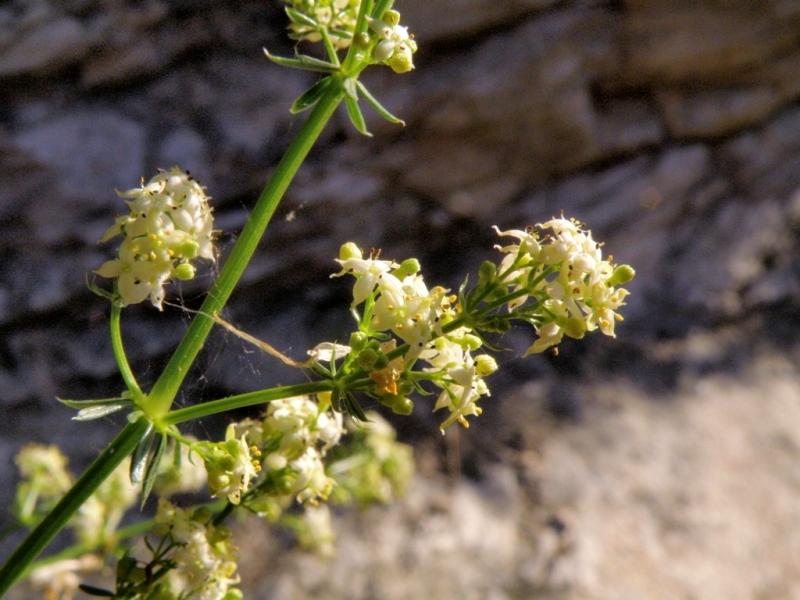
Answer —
316 442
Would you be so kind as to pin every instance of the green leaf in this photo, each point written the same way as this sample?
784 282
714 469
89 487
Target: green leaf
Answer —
350 88
305 63
302 19
151 473
82 404
310 97
140 454
97 412
377 106
356 118
95 591
353 407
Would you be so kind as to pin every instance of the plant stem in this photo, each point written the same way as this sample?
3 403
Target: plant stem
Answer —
206 409
108 460
119 355
165 389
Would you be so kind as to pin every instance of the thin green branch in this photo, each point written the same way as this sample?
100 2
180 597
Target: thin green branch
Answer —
119 354
214 407
108 460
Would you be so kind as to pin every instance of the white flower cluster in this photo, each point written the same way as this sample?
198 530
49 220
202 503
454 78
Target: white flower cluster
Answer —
98 517
61 579
338 17
301 431
374 467
169 225
574 284
230 464
396 47
403 304
204 557
45 479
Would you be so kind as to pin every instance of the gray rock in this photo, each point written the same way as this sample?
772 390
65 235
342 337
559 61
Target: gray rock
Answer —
110 148
44 48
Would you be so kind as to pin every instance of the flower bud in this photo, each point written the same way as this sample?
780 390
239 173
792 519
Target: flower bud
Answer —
184 272
349 251
410 266
486 272
621 275
358 340
485 365
391 17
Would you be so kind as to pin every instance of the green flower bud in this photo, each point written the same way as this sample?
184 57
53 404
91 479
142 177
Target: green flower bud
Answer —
402 61
358 340
184 272
187 249
391 17
349 250
410 266
621 275
486 272
400 405
485 365
574 327
362 40
368 358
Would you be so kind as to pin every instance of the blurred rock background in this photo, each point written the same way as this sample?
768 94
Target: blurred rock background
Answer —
662 464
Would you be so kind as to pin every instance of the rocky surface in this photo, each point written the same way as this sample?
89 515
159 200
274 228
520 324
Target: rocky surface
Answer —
673 129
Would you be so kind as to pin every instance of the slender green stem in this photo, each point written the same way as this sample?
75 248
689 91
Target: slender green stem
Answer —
119 354
214 407
165 389
333 56
108 460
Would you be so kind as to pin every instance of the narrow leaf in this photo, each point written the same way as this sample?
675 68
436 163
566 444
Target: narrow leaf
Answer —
96 412
354 408
81 404
315 62
139 456
151 473
95 591
350 88
295 63
356 118
310 97
377 106
297 17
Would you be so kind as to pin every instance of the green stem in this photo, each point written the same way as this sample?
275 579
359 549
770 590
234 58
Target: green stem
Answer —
119 354
165 389
108 460
206 409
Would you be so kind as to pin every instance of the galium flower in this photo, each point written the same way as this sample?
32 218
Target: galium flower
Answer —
169 225
45 479
231 464
373 466
396 47
300 431
204 556
337 17
561 265
314 530
61 579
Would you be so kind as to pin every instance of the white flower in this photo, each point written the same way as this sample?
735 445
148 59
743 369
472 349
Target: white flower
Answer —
311 483
396 47
60 580
169 225
231 465
367 271
328 351
205 559
338 16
